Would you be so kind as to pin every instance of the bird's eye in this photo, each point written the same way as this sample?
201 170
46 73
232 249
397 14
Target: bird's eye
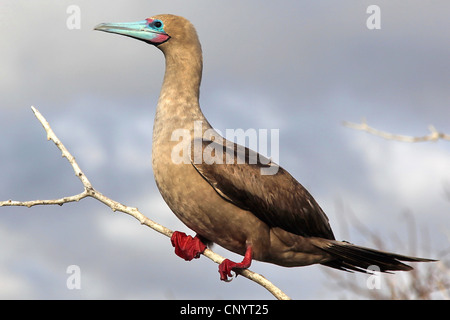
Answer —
157 24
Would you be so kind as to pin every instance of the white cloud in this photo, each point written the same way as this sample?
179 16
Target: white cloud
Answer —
411 175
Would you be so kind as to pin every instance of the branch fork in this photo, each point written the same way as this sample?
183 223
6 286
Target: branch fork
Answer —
90 191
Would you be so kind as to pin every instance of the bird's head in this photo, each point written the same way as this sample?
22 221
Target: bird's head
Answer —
156 30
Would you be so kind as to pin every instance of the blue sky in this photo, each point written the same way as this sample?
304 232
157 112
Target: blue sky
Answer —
301 67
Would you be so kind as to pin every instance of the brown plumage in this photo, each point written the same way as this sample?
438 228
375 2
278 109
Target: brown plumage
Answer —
271 218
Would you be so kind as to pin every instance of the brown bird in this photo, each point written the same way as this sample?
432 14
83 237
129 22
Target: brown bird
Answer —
226 193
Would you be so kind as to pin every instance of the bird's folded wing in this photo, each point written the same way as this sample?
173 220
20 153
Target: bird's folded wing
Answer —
235 172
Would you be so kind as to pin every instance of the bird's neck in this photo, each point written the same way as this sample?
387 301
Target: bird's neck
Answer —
178 107
178 113
179 97
183 74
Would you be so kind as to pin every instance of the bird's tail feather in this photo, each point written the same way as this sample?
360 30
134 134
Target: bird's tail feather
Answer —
350 257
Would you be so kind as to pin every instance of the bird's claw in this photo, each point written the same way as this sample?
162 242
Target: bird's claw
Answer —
225 270
226 266
187 247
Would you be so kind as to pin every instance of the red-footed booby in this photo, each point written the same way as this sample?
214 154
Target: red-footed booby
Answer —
267 217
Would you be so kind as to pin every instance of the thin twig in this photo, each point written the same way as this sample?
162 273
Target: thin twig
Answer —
434 135
90 191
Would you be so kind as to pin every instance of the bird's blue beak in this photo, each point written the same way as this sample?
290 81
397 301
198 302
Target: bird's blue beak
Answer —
148 30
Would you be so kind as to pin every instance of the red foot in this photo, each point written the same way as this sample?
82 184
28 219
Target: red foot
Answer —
187 247
227 265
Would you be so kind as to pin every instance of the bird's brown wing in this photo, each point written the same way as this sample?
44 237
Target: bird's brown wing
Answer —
235 172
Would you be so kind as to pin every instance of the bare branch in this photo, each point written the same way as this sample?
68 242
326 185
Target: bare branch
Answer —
424 282
29 204
433 136
89 191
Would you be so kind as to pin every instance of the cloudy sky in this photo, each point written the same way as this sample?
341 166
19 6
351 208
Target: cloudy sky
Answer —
302 67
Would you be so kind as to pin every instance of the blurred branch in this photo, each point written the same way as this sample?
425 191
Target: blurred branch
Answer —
90 191
424 282
433 136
